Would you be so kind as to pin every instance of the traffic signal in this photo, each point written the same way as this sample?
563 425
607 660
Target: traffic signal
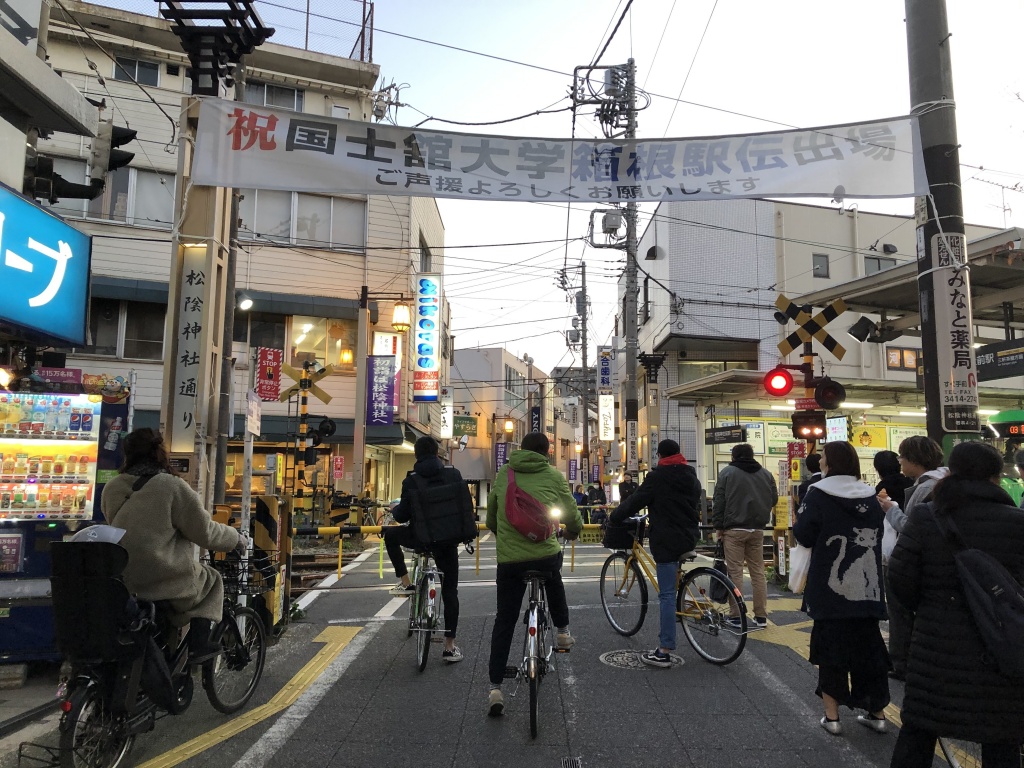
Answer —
829 394
809 425
778 382
105 157
42 183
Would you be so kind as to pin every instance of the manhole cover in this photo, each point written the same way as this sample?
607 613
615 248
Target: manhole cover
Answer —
631 659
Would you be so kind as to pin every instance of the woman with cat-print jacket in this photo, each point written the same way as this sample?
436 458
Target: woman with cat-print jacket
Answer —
841 521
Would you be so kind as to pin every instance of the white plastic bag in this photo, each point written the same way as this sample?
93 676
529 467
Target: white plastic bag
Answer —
888 541
799 565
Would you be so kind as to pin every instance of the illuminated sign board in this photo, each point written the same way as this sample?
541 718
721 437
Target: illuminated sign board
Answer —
606 416
426 339
44 270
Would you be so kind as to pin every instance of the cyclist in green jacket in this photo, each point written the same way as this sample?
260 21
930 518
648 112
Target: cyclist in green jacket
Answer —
518 554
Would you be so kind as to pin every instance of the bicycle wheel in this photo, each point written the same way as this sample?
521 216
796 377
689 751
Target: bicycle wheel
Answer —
623 593
713 616
230 678
533 672
90 736
423 621
961 754
534 664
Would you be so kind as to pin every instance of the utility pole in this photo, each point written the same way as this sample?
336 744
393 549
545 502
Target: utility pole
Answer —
629 321
581 310
944 285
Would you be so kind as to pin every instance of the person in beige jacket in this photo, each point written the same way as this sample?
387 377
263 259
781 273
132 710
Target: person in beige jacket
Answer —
163 520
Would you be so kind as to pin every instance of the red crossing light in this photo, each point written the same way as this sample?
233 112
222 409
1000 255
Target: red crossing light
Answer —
778 382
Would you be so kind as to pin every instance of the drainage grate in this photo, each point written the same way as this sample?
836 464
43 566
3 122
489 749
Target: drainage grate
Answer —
572 762
628 659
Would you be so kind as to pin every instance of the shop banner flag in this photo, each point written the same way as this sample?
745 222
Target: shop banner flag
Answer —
241 145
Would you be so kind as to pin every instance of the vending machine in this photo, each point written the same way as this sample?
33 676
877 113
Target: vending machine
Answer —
48 449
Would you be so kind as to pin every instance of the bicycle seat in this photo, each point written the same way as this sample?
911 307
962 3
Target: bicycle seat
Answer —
688 557
542 575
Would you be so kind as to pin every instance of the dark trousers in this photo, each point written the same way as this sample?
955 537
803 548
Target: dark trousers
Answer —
447 558
915 748
901 626
510 588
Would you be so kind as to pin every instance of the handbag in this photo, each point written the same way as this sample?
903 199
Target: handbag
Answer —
799 567
527 515
719 592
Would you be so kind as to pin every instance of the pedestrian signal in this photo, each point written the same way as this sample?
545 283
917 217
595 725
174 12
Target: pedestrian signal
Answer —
778 382
809 425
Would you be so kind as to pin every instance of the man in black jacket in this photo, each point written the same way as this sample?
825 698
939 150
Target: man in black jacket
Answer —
445 555
672 493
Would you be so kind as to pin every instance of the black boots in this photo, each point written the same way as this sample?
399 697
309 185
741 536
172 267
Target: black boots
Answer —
200 647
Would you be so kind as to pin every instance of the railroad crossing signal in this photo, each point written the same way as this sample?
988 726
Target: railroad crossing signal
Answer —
313 379
811 327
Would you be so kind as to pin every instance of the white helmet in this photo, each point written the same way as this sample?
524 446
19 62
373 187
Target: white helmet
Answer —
99 533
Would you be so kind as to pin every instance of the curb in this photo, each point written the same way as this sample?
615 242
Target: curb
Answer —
9 726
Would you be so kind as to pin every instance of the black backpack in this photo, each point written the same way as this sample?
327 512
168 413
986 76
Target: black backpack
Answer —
443 511
995 599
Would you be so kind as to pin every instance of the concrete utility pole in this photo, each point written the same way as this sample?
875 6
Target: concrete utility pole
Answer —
944 286
629 320
581 309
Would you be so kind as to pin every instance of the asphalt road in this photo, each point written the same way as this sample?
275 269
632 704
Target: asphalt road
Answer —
341 688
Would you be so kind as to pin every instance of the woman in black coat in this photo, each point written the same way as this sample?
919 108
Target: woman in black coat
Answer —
952 690
892 480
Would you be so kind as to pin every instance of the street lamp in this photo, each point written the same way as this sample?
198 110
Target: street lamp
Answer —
510 426
401 321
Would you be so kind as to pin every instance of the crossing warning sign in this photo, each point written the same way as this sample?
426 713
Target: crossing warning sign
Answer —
809 327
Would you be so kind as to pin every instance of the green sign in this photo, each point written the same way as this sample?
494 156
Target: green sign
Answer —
464 425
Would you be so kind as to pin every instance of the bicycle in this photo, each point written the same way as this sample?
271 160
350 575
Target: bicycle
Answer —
114 643
425 603
537 649
709 606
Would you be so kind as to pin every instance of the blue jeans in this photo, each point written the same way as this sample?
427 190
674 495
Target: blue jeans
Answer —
666 573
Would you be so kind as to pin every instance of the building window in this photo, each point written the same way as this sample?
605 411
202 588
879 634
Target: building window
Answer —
143 72
267 95
313 221
131 196
260 329
515 388
426 258
691 370
125 329
328 341
645 310
819 264
873 264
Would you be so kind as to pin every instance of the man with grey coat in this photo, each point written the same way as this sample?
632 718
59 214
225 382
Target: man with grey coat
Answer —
745 494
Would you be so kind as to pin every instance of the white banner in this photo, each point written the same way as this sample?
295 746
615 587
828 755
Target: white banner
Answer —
239 145
447 400
606 417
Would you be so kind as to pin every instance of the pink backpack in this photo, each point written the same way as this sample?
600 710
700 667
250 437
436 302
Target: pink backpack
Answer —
526 514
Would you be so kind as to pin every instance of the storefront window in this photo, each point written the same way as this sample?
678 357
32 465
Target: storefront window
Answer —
327 341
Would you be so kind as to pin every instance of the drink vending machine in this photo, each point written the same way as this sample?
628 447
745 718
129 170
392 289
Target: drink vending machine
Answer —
49 443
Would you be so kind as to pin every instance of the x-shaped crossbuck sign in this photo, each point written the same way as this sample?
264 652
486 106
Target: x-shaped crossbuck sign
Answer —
811 327
296 374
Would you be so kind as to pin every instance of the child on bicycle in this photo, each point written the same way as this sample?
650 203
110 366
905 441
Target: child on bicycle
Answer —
446 554
518 554
672 494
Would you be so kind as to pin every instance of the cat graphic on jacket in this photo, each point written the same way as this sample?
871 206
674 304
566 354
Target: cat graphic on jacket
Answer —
860 581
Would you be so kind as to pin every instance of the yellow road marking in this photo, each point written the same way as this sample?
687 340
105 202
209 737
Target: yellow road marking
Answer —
335 639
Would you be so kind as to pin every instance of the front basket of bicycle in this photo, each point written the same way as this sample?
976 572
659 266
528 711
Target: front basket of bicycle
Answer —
253 575
617 537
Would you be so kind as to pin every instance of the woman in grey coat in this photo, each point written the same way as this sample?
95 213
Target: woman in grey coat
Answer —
163 520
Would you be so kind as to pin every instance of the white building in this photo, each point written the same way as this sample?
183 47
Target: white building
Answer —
302 258
710 274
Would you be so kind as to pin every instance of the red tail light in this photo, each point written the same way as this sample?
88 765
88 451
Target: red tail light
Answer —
65 706
433 594
533 631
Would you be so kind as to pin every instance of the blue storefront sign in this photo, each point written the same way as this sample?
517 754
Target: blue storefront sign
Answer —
44 270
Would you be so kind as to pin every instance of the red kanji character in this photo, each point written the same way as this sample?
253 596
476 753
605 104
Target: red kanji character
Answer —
252 127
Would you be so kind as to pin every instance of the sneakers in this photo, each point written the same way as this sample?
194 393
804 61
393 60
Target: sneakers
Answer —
656 658
564 641
453 656
734 622
400 589
832 726
495 703
761 622
877 725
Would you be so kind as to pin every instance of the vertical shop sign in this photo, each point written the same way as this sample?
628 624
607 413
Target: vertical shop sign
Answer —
380 386
632 453
500 455
268 373
573 468
447 419
193 295
595 473
426 378
535 425
606 417
338 467
390 345
604 369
